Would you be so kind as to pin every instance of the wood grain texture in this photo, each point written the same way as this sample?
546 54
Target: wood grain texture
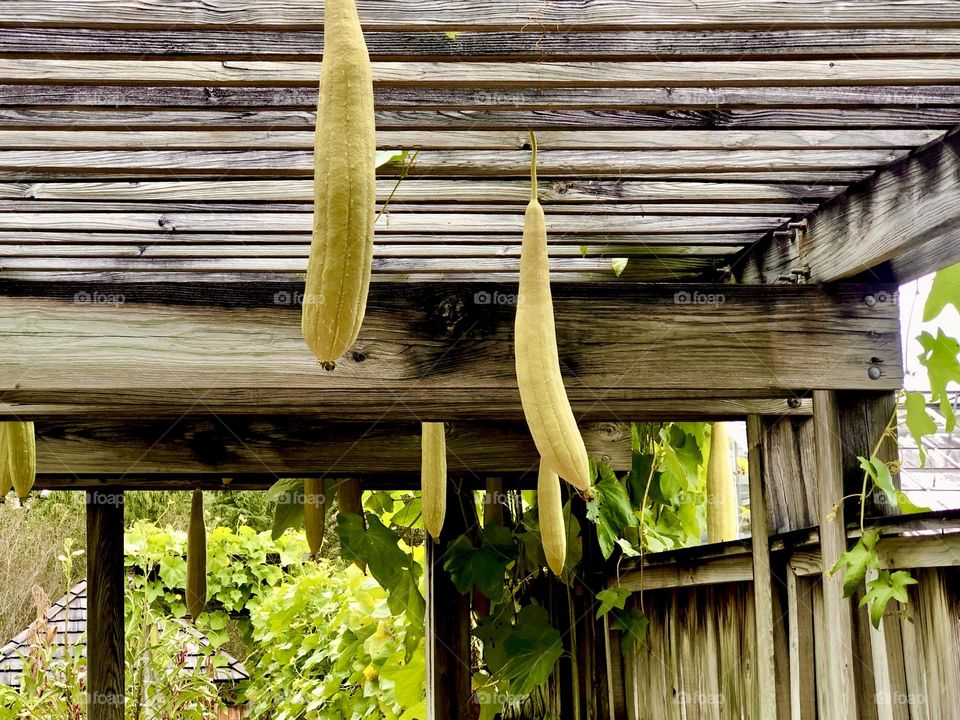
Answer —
105 593
789 463
419 341
441 16
532 43
235 446
803 698
762 573
838 672
716 571
906 207
623 73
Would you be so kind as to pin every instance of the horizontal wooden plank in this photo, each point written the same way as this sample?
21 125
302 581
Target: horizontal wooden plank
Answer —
238 446
627 74
396 208
510 191
903 209
738 568
418 340
533 42
438 15
389 223
483 163
677 242
465 98
929 550
118 113
472 139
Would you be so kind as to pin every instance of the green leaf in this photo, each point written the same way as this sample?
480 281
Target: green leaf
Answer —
940 358
532 648
288 496
919 422
482 567
633 624
879 472
618 265
583 250
906 505
612 598
885 587
944 291
610 510
452 34
385 157
856 561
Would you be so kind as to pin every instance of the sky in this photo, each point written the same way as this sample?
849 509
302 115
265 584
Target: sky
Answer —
912 298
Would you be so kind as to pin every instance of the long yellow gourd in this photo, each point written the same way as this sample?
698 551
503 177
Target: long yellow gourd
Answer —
18 458
545 404
314 513
433 477
341 252
196 558
722 505
553 531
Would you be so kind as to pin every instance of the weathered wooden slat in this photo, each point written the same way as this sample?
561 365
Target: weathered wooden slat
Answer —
402 207
581 194
503 405
282 139
677 73
482 163
715 571
531 43
839 671
908 208
441 16
515 191
679 243
661 269
236 446
397 250
119 114
167 223
418 341
459 99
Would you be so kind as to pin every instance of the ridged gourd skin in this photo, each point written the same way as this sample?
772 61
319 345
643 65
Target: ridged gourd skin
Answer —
196 558
345 189
553 531
18 458
433 477
544 398
314 513
722 504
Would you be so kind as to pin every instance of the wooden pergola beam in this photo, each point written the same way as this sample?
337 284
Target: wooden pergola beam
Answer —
907 216
432 352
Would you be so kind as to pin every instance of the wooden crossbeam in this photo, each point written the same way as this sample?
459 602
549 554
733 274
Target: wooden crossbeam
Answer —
626 74
905 215
532 43
433 351
444 16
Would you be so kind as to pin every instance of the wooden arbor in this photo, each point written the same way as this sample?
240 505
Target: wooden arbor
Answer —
155 193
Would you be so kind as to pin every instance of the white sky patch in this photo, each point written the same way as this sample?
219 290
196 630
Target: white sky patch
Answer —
913 296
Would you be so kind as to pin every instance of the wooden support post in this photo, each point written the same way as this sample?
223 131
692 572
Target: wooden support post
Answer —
448 618
837 636
803 697
105 649
863 418
762 574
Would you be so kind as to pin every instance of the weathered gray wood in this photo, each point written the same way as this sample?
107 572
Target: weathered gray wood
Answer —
22 164
863 419
789 464
418 342
803 698
441 16
623 73
118 114
532 43
555 192
905 209
838 671
762 573
105 592
230 445
419 98
715 571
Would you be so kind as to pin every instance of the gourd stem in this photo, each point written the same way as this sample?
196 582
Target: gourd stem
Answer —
533 166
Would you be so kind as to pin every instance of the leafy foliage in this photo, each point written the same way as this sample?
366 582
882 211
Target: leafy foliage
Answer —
885 587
